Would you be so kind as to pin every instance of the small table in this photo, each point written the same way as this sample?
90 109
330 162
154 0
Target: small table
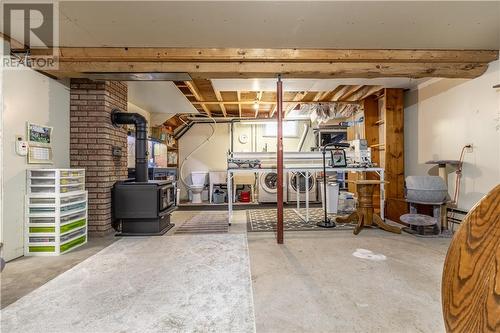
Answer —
418 222
442 167
364 214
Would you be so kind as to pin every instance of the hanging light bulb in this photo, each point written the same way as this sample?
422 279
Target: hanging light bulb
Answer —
256 105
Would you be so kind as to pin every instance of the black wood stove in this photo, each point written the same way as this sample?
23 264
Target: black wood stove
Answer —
141 206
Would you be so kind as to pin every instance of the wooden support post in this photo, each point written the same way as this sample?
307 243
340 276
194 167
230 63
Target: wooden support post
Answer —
279 101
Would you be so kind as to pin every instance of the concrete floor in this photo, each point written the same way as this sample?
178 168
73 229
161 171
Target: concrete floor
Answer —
182 283
313 283
23 275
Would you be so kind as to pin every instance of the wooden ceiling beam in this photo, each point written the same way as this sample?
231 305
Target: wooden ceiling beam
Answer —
349 92
221 105
327 96
259 97
318 96
273 111
216 102
242 103
194 90
297 98
341 91
238 94
147 54
212 70
363 93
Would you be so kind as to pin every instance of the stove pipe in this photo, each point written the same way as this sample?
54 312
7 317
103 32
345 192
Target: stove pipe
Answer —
141 143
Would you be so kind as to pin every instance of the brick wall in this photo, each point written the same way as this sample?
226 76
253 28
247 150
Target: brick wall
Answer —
92 139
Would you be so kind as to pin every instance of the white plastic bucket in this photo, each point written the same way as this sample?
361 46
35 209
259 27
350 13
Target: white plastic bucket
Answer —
332 197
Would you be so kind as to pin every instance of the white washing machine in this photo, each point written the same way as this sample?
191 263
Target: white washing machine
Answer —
301 181
268 183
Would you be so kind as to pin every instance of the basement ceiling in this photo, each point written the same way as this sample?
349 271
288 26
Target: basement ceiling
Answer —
221 98
282 24
159 97
310 84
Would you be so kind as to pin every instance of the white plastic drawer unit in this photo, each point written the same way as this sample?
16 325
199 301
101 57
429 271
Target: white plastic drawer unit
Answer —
42 201
55 181
70 235
72 188
42 181
71 208
55 210
72 217
73 199
40 220
42 239
42 173
72 173
43 189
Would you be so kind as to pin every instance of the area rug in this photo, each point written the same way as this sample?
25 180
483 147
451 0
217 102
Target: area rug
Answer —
265 220
146 284
205 223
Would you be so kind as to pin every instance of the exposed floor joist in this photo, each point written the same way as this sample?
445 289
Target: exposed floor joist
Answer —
350 92
258 100
297 98
221 105
196 93
364 92
239 105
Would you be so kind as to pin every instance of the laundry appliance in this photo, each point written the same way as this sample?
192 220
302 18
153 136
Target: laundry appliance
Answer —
268 183
297 182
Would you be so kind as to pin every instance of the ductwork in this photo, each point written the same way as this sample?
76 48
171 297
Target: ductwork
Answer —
141 137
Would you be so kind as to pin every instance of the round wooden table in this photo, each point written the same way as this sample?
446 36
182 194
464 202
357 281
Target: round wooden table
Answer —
364 214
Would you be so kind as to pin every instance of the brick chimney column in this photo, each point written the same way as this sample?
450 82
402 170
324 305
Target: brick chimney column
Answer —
92 140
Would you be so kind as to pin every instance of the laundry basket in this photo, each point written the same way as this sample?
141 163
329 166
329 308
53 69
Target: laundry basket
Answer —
426 189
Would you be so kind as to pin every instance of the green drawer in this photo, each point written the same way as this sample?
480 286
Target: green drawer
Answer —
42 248
42 229
73 243
73 225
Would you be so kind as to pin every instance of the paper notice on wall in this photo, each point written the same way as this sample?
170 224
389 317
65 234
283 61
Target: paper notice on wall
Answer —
40 144
39 155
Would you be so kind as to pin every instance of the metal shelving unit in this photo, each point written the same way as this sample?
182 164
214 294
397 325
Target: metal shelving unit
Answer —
55 211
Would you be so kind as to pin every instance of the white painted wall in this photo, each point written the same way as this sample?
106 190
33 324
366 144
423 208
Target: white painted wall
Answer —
132 108
213 155
258 142
28 96
3 50
444 115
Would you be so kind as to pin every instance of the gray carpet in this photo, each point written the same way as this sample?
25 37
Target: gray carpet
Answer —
205 223
192 283
265 220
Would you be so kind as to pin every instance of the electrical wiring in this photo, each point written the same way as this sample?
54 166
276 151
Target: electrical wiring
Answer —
458 179
459 175
181 178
